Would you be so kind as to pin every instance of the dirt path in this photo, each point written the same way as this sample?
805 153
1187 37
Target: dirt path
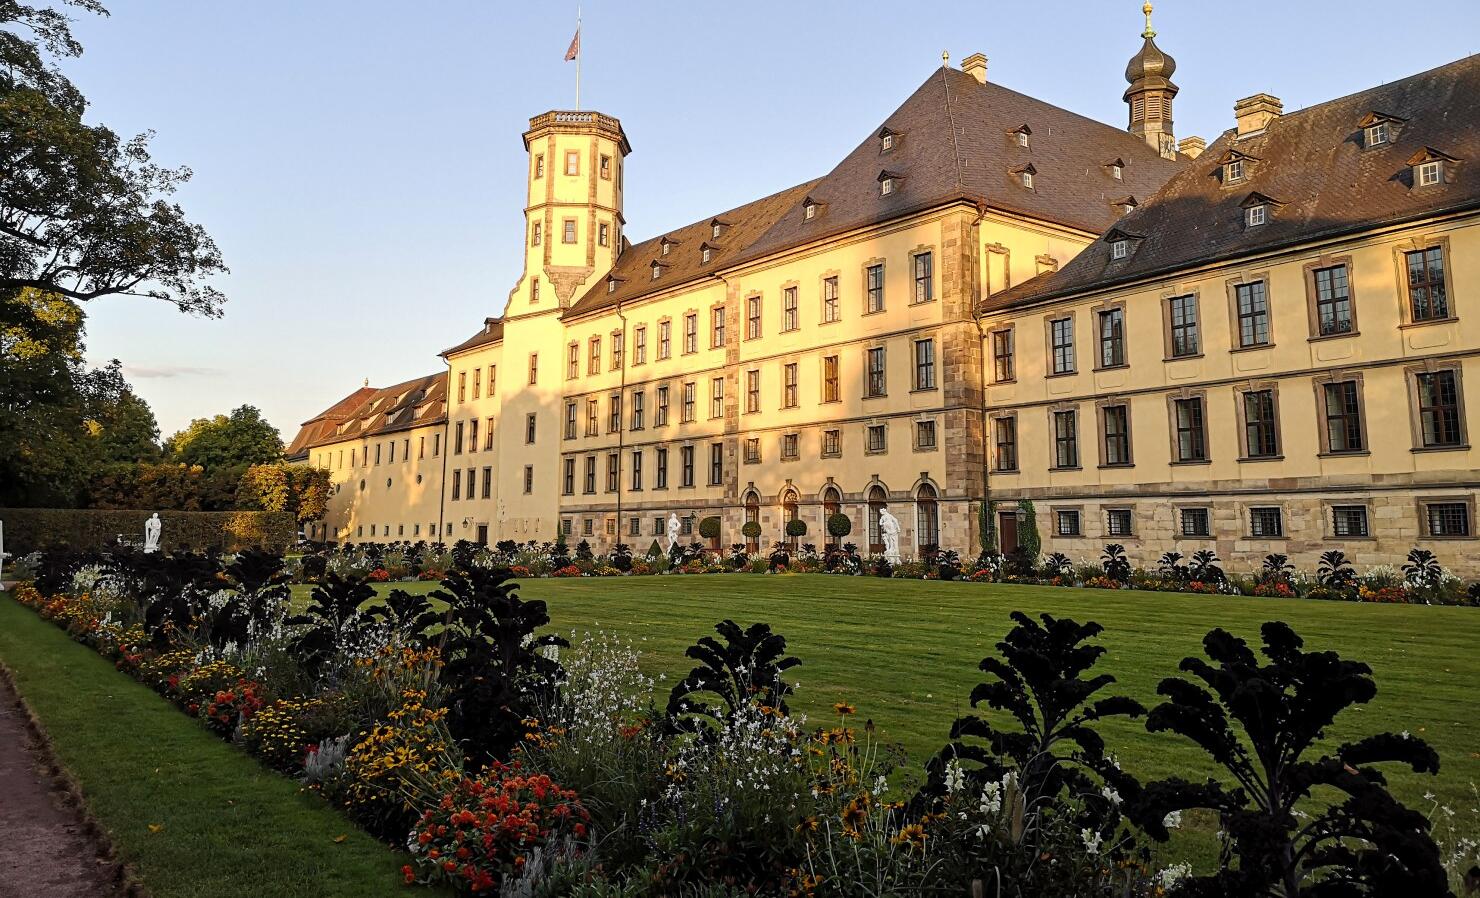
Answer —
45 849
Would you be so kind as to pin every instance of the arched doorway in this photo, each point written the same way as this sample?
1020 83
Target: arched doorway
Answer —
832 503
877 497
752 515
927 519
789 514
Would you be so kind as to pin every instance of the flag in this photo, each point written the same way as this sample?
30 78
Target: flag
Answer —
575 46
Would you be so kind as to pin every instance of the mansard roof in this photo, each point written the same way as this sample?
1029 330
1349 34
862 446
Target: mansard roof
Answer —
371 411
1315 161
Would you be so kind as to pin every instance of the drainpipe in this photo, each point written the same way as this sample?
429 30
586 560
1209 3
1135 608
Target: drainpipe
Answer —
446 451
981 340
621 419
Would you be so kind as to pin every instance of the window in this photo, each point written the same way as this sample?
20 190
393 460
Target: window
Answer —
1261 427
704 254
588 527
658 268
613 467
604 234
1004 365
1027 177
1066 522
660 414
1195 522
789 309
1005 456
617 343
1061 345
752 317
472 438
589 486
592 428
1022 138
1438 409
666 245
529 428
568 477
886 141
927 518
1333 301
691 332
752 451
1447 518
539 165
1376 135
829 300
1117 425
611 285
572 162
924 364
1112 338
534 368
1253 314
639 346
1185 337
536 235
1266 522
925 435
886 186
638 411
636 470
716 464
752 391
1254 216
789 451
717 397
789 385
665 339
832 443
593 356
690 399
1117 172
1119 249
1191 438
528 479
606 168
876 382
877 441
660 474
614 413
457 441
1065 439
572 361
634 526
716 229
874 287
1426 294
831 390
809 211
1343 417
1430 173
1119 522
717 327
1349 520
1233 171
568 233
462 386
456 485
924 277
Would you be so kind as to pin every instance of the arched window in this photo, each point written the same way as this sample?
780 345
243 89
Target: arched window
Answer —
752 514
789 514
876 499
832 503
927 519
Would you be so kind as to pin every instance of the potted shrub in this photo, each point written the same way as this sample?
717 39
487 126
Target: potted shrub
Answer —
839 525
795 529
751 530
709 529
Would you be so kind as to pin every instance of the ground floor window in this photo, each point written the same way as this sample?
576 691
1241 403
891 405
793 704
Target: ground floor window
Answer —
1448 518
1118 522
1195 522
1266 522
1067 522
1349 520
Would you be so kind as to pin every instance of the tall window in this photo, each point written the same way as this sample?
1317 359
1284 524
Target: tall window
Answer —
1061 343
1004 362
457 440
1065 439
1426 295
1438 409
536 235
613 467
477 382
790 446
1117 434
617 342
1005 456
1192 443
593 356
829 299
462 386
716 464
1333 301
831 391
924 364
531 420
927 518
752 317
691 332
660 414
660 473
639 346
752 391
572 162
568 235
877 439
876 499
1253 314
717 327
832 443
717 397
1186 340
591 418
456 484
924 277
1112 338
568 477
789 385
876 382
1343 417
752 451
638 410
874 285
789 309
573 361
614 413
690 398
665 339
1261 430
637 469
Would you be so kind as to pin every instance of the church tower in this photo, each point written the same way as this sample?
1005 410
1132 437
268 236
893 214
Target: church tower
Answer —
1151 91
573 216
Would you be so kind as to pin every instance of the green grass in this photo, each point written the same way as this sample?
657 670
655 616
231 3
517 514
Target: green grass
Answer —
229 825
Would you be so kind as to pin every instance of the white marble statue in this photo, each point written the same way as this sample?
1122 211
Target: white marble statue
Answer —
889 532
3 554
151 533
673 526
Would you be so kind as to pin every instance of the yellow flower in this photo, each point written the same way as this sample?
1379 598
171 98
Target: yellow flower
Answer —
844 708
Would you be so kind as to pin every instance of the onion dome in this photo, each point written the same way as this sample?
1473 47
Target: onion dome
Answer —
1150 62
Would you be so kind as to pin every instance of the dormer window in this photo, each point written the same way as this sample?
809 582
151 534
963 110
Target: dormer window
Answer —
704 255
1025 175
1125 204
1117 172
1122 244
1379 129
657 270
1430 173
1430 167
665 247
1028 179
886 186
1257 209
1119 249
887 140
717 228
1021 136
1233 171
611 285
809 211
889 182
1254 216
1376 135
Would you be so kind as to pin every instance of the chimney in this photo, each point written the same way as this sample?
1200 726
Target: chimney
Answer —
975 65
1255 113
1192 147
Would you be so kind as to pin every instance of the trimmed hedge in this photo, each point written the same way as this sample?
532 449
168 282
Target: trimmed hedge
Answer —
29 529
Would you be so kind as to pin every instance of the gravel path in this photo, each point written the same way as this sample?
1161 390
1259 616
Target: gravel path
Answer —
45 850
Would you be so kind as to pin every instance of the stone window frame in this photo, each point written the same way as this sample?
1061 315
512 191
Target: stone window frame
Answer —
639 342
915 433
723 322
1100 440
1400 262
996 249
869 425
918 337
924 249
791 365
822 378
748 457
1178 532
1415 419
1017 444
1171 400
1241 416
745 406
868 349
822 279
573 360
991 349
1077 511
1466 499
665 325
760 316
838 452
796 453
796 290
1246 514
689 316
883 284
1308 275
1323 433
1235 331
1328 515
1096 317
570 231
1048 358
1166 324
1053 437
1130 509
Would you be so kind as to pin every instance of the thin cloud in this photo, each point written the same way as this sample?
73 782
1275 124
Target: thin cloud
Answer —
166 371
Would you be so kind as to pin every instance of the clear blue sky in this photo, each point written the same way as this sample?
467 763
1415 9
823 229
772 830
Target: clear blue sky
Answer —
359 161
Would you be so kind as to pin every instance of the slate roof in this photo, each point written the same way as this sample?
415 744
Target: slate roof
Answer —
324 423
492 331
955 138
370 411
1314 170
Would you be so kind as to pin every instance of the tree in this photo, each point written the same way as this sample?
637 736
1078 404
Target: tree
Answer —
1028 539
238 440
125 430
84 213
281 487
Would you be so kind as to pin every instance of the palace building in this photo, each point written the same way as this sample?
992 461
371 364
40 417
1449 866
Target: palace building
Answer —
1254 346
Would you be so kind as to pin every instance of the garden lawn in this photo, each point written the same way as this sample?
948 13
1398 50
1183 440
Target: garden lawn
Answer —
905 653
194 815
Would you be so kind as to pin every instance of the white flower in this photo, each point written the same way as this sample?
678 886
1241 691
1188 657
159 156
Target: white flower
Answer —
1091 840
1172 820
1170 876
991 801
1111 795
955 777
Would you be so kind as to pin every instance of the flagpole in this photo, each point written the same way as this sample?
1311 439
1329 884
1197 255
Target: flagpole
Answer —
578 58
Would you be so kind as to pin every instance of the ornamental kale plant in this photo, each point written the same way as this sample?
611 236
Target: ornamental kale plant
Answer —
331 622
1335 570
1259 722
1114 563
747 668
1203 567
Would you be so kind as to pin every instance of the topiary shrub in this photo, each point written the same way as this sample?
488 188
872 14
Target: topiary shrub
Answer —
839 525
709 527
1028 538
796 528
751 530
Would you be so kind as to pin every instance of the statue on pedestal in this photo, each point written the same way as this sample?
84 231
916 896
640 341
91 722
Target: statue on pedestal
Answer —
673 527
151 533
889 532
